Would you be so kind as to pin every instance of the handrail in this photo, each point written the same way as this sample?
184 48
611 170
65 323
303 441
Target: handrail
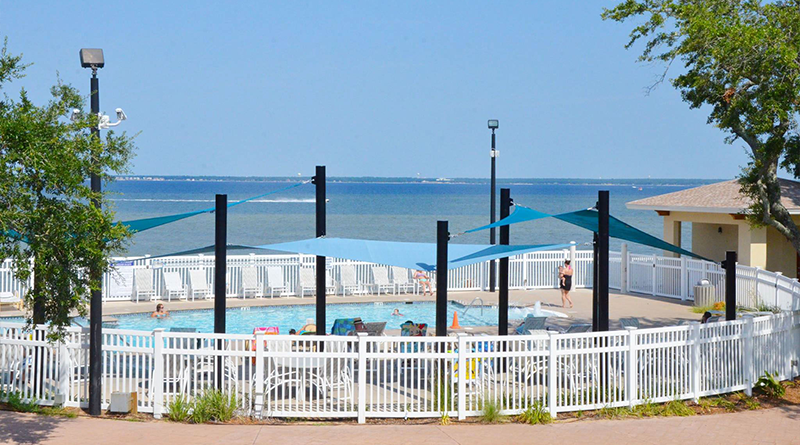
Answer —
470 306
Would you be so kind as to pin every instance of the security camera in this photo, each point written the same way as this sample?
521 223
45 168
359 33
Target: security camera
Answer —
121 114
75 115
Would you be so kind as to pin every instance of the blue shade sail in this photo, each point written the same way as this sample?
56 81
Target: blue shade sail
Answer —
520 214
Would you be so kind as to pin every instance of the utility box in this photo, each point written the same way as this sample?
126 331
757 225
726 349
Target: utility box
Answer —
123 403
704 294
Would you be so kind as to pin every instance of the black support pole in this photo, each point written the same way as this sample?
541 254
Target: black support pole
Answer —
96 301
505 210
442 237
595 301
602 264
493 212
319 181
220 266
730 285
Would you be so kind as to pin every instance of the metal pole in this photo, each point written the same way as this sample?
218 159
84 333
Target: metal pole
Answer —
96 302
491 217
595 301
602 264
442 237
730 284
319 181
505 210
220 270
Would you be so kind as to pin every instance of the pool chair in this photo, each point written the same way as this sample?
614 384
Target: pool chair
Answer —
631 322
348 281
308 282
250 283
173 285
348 326
143 285
275 281
401 280
578 328
531 323
380 280
375 329
198 286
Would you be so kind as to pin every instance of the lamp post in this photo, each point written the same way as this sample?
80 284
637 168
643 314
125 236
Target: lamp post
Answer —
93 58
493 125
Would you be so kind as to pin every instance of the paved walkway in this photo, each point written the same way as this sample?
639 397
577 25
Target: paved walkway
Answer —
772 426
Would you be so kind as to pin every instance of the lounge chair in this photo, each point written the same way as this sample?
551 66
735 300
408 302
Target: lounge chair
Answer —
143 284
348 281
174 286
578 327
275 281
375 329
531 323
401 280
198 286
380 278
250 283
348 326
631 322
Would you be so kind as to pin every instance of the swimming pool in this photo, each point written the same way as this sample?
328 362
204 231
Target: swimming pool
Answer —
243 320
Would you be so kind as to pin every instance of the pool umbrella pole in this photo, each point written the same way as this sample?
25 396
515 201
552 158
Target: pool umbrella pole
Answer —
442 237
319 181
602 260
505 210
730 284
220 265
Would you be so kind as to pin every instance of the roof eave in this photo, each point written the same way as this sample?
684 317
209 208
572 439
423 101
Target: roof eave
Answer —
673 208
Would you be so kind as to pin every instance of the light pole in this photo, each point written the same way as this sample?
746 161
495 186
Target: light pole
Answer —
93 58
493 125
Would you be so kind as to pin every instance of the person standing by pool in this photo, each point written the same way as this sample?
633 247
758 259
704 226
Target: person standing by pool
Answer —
160 312
424 281
565 278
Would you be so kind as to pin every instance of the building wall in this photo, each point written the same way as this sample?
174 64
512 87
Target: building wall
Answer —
781 256
707 241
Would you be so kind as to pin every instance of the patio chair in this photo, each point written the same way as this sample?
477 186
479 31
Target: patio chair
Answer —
348 281
578 327
174 286
250 283
198 286
402 280
143 284
348 326
375 329
275 281
631 322
531 323
380 278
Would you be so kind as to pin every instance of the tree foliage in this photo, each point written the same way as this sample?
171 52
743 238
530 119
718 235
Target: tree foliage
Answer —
46 199
742 60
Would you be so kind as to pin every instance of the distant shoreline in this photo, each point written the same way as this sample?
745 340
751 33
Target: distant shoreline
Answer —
663 182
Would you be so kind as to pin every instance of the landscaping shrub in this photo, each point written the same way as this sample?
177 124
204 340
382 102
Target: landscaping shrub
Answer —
536 414
770 385
179 409
490 413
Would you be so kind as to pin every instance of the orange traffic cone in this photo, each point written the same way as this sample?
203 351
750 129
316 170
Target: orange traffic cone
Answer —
455 321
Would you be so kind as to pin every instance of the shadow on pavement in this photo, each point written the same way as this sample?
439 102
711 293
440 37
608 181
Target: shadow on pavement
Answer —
27 429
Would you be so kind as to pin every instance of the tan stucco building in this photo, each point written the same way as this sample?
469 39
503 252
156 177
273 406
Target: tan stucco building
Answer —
716 213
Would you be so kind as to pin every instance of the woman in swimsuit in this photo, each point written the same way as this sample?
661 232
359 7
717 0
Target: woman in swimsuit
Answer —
160 312
565 278
424 281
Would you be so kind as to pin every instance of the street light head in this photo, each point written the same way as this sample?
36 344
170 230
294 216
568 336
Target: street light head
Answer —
121 114
92 58
494 123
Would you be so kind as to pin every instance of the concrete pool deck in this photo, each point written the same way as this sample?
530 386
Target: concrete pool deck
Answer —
651 311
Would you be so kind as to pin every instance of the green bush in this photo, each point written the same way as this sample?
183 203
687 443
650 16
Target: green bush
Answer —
222 406
770 385
490 412
179 409
677 408
536 414
646 409
17 403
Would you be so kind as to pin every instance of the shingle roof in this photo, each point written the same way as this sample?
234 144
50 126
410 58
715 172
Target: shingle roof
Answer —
721 197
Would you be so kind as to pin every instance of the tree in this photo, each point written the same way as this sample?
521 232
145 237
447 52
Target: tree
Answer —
742 59
48 225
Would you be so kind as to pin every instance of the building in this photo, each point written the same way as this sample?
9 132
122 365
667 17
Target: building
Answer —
716 213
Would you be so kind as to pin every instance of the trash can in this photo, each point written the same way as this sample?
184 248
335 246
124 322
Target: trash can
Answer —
704 294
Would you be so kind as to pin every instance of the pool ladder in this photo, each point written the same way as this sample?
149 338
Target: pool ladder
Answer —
469 306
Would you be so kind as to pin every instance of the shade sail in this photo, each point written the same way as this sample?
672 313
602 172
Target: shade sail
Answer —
408 255
520 214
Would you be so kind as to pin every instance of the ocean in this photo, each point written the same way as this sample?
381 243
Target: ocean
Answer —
378 209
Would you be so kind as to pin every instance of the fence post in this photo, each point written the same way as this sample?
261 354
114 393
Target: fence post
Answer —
552 385
362 377
632 368
684 280
157 384
694 364
623 268
258 390
655 260
749 355
462 378
64 370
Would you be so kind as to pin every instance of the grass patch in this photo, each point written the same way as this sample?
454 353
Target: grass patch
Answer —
677 408
179 409
646 409
444 419
490 412
615 413
535 415
722 402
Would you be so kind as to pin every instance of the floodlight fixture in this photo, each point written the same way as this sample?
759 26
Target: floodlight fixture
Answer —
92 58
494 124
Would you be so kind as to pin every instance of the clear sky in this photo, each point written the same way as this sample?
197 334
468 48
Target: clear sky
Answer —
373 88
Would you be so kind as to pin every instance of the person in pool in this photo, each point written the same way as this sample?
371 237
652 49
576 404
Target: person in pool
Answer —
397 313
160 312
424 281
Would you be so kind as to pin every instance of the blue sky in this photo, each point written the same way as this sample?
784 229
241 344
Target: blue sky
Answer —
373 88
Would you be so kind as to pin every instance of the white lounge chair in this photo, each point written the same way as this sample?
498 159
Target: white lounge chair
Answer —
250 283
198 286
330 285
143 285
402 280
174 286
348 281
308 281
380 278
275 281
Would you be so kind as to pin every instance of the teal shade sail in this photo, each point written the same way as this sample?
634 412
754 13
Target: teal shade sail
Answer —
520 214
